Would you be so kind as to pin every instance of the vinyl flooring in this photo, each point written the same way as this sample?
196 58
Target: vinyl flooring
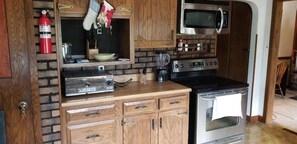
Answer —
283 130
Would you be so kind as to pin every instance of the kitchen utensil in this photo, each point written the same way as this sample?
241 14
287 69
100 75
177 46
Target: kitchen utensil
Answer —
66 52
104 56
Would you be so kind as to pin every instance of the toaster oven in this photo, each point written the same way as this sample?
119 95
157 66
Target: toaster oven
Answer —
76 83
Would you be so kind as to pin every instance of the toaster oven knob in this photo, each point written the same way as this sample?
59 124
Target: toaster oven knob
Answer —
176 66
109 83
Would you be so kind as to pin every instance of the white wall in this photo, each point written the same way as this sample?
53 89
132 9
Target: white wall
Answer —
287 29
262 10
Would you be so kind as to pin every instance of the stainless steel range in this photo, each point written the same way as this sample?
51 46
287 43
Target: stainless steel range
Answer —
207 91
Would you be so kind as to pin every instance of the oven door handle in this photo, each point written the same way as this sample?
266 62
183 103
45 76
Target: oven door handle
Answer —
238 141
208 98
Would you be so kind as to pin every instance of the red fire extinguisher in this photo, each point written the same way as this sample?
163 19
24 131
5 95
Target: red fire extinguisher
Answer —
45 33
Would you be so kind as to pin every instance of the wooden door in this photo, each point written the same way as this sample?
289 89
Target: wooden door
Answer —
155 23
173 127
18 87
140 129
239 41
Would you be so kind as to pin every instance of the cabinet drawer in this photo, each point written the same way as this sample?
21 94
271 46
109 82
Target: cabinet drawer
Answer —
88 113
102 132
173 102
140 106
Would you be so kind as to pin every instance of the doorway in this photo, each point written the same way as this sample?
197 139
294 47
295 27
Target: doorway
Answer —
273 59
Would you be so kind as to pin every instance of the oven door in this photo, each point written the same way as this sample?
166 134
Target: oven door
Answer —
209 131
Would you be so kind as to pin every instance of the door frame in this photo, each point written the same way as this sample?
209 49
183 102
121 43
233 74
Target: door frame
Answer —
272 59
33 71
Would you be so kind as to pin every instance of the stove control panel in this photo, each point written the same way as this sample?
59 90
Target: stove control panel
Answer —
194 64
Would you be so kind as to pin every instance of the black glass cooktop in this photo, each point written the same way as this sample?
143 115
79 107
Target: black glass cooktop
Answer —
209 83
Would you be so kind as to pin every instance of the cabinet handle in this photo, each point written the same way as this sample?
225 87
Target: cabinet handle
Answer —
140 107
64 6
161 122
183 113
127 9
174 102
92 136
91 114
124 122
172 34
153 124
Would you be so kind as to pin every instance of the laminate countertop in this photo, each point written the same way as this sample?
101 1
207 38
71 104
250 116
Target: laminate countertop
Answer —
132 90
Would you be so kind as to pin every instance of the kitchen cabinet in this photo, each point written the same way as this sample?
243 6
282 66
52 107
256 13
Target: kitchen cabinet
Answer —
167 125
173 127
153 114
119 40
155 23
140 129
79 8
90 124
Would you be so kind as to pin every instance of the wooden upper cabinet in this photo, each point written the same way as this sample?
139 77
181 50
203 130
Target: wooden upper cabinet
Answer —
79 8
73 8
154 23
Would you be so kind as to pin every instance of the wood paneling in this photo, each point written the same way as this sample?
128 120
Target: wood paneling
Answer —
223 54
239 41
5 70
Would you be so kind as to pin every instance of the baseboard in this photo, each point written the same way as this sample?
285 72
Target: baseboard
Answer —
254 118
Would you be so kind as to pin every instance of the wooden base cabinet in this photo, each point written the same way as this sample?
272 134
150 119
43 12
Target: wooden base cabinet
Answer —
103 132
167 125
152 119
173 127
140 129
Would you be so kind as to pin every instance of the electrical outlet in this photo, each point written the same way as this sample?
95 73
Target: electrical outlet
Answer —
100 68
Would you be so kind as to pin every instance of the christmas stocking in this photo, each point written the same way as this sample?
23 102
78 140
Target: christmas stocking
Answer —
90 18
105 15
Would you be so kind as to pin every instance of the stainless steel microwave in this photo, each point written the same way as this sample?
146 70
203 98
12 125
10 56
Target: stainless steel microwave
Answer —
203 17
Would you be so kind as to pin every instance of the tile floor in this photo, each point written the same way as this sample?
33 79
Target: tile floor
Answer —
283 130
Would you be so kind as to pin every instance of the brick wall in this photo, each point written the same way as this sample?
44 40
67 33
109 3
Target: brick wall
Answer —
48 74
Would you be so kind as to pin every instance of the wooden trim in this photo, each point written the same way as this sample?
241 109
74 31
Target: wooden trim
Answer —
272 60
5 69
253 81
256 118
33 71
282 58
295 34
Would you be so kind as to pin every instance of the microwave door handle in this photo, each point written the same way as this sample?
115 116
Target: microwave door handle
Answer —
222 20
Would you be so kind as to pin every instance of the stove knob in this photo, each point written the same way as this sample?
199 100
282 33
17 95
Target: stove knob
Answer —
215 63
182 66
210 63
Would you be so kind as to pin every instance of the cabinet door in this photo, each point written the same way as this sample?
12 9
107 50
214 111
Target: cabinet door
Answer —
173 127
155 23
103 132
140 129
73 8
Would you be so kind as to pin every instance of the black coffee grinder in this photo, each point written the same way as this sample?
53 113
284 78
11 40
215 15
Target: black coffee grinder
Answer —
162 60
